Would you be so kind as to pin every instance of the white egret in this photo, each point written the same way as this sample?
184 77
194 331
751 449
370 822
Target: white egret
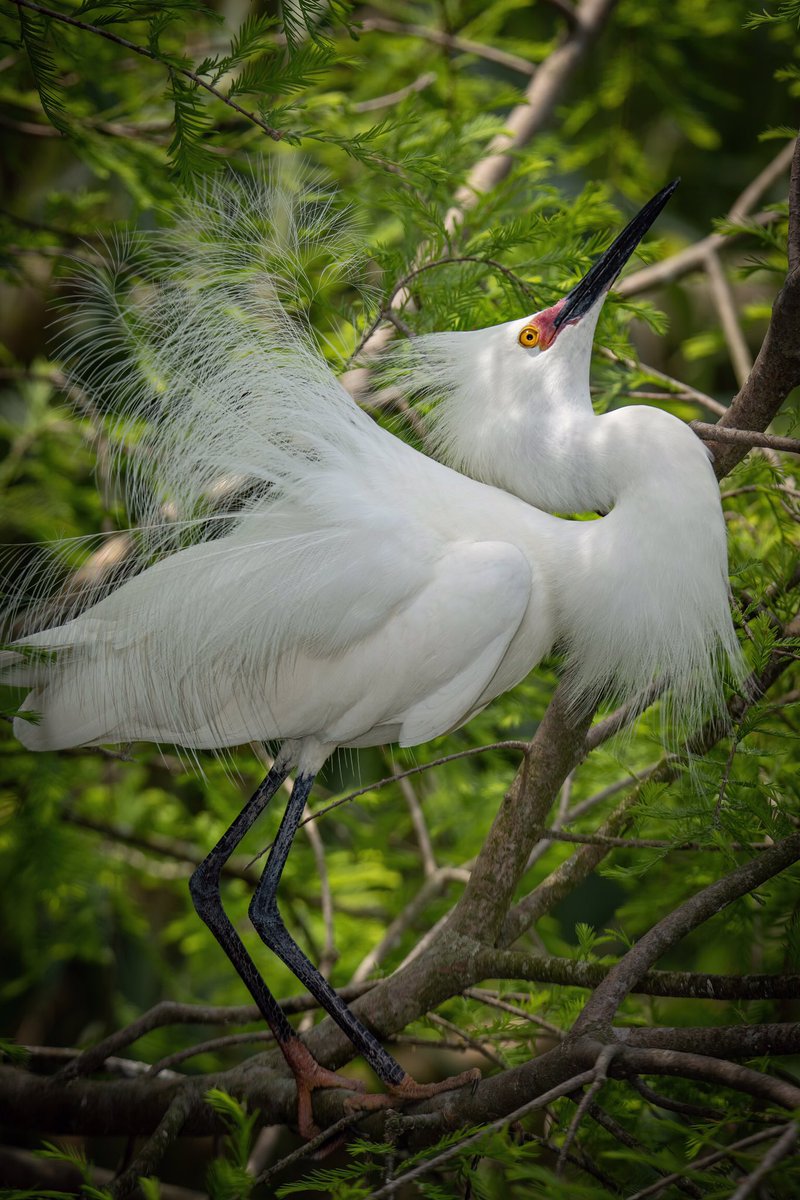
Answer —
359 592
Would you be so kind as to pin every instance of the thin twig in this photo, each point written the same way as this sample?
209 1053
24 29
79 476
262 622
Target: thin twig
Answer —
768 1162
212 1046
722 293
480 1047
98 31
520 747
693 257
429 864
308 1148
483 996
747 437
423 81
156 1146
707 1160
433 887
686 1109
555 1093
600 1076
677 388
625 843
450 41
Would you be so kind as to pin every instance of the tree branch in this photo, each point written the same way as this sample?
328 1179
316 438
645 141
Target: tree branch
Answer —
744 437
622 978
493 963
527 119
98 31
776 371
693 257
450 41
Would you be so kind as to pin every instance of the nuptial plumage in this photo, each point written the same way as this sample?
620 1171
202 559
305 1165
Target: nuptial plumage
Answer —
306 577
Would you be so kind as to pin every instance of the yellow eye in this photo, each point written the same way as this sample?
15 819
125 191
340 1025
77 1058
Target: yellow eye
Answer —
529 336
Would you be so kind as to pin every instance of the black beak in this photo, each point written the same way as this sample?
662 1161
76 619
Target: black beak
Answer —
600 277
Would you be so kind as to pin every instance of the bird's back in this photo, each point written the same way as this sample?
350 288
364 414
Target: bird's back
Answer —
378 607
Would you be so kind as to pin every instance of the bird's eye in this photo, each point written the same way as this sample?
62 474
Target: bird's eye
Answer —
529 336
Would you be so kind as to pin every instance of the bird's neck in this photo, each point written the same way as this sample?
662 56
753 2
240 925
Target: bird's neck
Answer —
644 591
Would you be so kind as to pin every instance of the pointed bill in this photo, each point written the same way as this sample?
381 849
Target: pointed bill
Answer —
601 276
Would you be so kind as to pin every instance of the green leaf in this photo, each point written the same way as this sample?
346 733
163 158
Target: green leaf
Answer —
190 156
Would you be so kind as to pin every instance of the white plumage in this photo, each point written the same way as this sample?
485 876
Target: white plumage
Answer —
306 577
353 591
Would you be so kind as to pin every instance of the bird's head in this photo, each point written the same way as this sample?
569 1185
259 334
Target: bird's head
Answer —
510 395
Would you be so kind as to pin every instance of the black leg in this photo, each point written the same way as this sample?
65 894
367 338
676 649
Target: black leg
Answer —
204 886
269 923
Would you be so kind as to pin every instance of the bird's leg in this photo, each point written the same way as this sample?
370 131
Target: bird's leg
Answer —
268 921
204 886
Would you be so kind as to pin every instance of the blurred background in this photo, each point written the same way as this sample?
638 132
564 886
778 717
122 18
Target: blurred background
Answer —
394 105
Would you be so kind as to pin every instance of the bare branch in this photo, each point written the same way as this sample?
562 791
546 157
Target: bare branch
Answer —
777 367
770 1160
169 1012
745 437
420 828
709 1070
694 257
450 41
562 1089
725 303
541 96
701 1111
420 83
709 1160
600 1076
149 1157
720 1041
677 389
671 929
567 972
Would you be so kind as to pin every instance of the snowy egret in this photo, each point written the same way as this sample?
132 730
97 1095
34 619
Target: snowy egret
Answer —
359 592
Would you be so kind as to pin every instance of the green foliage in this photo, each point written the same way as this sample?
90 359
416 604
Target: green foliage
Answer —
95 850
228 1177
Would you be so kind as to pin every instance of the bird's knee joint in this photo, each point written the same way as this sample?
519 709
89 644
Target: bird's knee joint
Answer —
265 915
203 887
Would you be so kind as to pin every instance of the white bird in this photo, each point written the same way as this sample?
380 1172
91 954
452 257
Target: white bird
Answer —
358 592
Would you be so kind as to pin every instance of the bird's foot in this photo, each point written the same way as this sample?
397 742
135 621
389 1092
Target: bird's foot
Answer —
309 1076
408 1090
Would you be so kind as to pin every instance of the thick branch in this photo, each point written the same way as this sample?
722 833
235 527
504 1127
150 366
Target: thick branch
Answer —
581 864
556 748
720 1041
776 371
567 972
709 1070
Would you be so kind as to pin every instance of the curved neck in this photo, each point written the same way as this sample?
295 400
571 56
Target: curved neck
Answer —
643 592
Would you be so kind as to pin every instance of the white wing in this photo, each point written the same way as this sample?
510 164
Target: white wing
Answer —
363 635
